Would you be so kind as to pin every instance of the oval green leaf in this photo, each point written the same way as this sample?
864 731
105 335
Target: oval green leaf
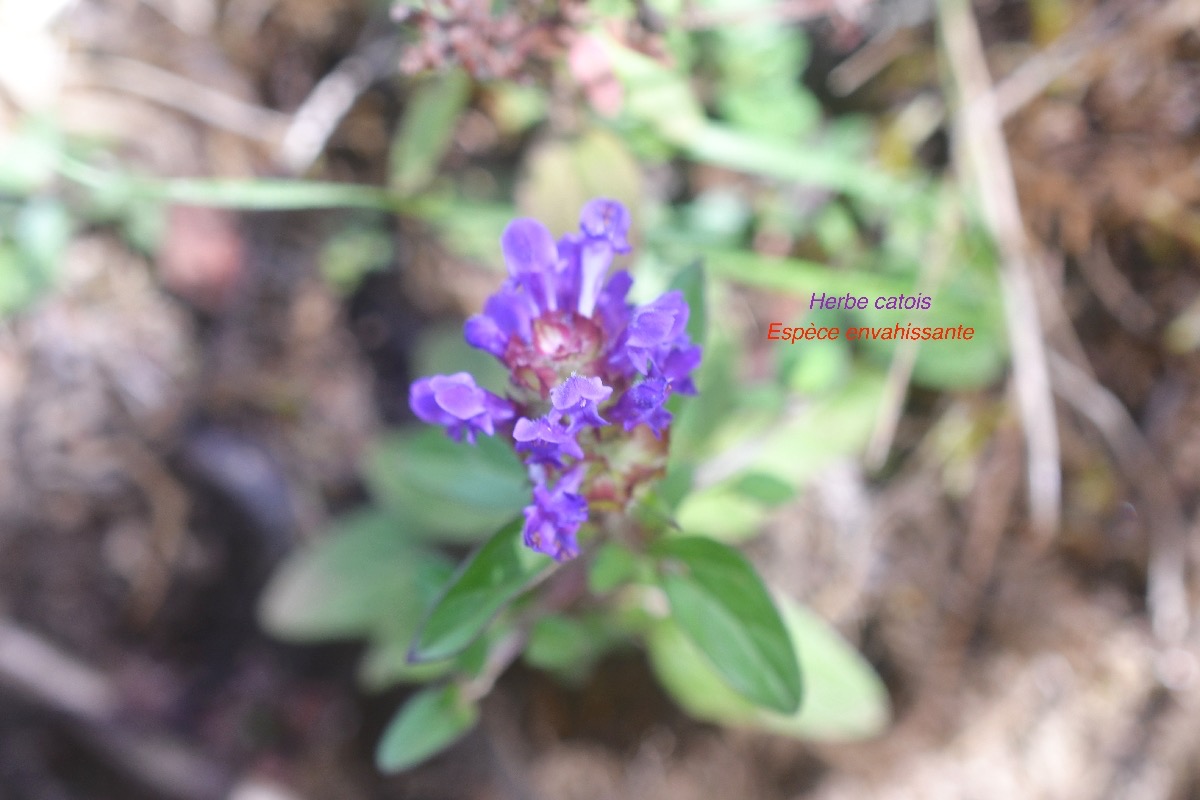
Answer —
365 575
446 489
844 697
490 579
431 720
720 602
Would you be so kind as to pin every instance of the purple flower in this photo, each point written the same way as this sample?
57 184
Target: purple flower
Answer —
579 398
455 402
553 519
608 220
547 441
677 365
507 313
655 329
644 404
578 354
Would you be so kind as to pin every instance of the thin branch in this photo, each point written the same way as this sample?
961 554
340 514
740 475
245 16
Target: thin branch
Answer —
201 102
331 99
89 699
44 673
1166 589
984 157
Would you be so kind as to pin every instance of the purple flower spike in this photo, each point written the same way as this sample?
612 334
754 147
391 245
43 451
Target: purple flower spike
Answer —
580 354
455 402
643 404
546 441
606 219
555 516
580 397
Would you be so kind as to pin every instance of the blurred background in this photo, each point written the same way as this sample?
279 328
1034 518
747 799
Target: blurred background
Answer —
232 231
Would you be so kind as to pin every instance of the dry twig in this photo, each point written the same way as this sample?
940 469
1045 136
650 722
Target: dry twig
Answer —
331 99
1166 589
186 96
90 700
984 157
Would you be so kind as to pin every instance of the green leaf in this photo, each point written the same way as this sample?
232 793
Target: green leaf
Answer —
431 720
385 661
42 231
611 566
247 193
18 288
663 98
566 646
428 129
29 155
361 577
765 489
721 513
447 489
718 395
719 601
654 94
490 579
791 443
843 700
353 253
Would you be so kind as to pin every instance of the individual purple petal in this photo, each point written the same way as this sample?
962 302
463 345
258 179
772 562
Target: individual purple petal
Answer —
528 247
555 516
423 404
507 313
611 307
643 404
568 270
482 332
608 220
545 440
595 257
458 395
579 397
532 259
458 404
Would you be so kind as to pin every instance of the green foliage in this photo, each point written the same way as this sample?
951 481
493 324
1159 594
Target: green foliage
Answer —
444 489
309 598
612 565
562 175
568 646
719 601
353 253
769 418
33 236
489 580
843 697
427 129
431 720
